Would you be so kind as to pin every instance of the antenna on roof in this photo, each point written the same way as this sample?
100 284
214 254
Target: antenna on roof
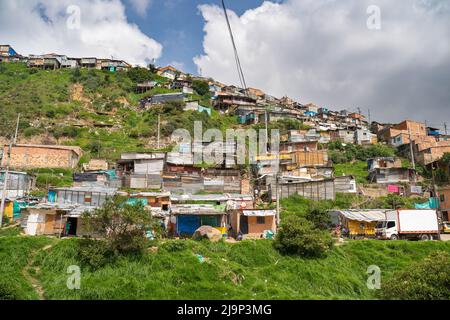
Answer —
236 55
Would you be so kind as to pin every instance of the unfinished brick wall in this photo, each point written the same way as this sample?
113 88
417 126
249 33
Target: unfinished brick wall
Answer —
415 128
39 157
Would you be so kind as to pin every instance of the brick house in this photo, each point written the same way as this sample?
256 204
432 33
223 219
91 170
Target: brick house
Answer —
27 156
444 197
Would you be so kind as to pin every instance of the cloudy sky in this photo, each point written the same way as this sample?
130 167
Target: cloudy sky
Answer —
393 59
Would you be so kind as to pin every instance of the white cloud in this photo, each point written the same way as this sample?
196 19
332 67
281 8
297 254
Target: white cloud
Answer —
322 51
141 6
40 26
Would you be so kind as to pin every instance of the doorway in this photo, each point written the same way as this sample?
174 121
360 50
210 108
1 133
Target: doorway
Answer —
71 226
243 224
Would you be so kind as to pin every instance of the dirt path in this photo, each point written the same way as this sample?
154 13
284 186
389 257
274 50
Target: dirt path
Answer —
30 272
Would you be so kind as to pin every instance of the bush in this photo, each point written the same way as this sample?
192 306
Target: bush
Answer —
201 87
94 253
122 226
298 236
139 75
425 280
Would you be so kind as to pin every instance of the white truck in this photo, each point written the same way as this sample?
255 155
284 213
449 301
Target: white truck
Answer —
409 224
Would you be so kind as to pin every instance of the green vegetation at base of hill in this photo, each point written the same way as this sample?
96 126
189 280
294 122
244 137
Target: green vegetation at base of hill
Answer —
245 270
296 205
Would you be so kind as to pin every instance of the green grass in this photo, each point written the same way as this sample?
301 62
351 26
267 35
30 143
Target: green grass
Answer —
358 169
57 177
246 270
15 254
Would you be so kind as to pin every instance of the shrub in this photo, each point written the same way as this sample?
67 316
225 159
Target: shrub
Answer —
201 87
425 280
121 225
94 253
298 236
139 75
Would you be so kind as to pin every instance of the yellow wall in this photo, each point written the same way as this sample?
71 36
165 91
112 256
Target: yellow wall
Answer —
361 228
9 209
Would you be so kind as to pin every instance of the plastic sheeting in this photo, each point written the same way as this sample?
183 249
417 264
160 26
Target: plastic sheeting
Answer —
366 216
432 203
259 213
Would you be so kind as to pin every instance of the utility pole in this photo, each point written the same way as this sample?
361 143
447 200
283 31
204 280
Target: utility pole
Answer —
445 127
5 179
267 132
159 130
277 185
369 117
359 110
412 155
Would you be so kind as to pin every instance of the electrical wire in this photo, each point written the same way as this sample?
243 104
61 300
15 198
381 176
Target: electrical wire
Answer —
236 55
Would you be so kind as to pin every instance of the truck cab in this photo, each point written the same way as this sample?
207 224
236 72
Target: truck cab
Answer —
386 229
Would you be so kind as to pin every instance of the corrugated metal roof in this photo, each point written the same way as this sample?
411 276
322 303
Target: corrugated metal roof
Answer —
97 189
259 213
196 209
363 215
211 197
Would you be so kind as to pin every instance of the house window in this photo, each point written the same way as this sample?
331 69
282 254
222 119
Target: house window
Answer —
261 220
442 198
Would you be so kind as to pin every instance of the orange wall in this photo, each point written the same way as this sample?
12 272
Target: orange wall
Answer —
445 205
254 227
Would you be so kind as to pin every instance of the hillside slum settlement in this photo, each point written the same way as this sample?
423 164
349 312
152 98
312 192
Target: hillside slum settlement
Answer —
239 202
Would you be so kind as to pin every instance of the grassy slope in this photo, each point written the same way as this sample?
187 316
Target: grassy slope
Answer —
358 169
15 253
44 100
247 270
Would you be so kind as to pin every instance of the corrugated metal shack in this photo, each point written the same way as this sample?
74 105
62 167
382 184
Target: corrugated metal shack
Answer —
19 183
142 170
187 218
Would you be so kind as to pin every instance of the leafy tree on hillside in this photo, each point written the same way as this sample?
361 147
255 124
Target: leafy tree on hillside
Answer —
140 75
122 226
201 87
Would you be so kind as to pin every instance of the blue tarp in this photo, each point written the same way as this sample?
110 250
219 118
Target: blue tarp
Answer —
432 203
134 201
51 196
204 109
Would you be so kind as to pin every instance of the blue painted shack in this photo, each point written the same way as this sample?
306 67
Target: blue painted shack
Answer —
187 218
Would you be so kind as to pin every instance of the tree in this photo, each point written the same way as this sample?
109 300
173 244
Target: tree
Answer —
139 75
201 87
122 226
298 236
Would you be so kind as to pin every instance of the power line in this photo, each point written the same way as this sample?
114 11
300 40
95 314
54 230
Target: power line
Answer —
236 55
